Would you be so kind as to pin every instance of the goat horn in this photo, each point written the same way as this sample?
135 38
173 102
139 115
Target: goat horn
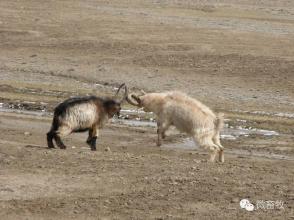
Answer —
126 94
129 99
119 88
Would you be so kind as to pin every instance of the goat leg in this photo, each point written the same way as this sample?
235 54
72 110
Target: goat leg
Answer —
93 143
59 142
50 136
93 133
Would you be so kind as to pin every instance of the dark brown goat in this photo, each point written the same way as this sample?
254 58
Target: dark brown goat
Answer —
89 113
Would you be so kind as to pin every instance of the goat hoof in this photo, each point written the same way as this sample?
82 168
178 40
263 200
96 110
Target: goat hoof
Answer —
93 148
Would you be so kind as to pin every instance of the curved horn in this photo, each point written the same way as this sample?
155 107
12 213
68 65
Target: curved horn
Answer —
119 88
130 98
125 95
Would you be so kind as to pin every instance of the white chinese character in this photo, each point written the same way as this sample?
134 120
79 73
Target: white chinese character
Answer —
279 204
260 204
270 204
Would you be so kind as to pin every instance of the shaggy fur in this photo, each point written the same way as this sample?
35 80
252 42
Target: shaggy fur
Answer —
187 115
80 114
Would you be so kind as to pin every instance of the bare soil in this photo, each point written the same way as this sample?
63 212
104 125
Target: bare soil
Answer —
235 56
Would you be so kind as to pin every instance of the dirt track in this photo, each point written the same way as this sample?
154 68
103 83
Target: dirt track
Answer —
235 56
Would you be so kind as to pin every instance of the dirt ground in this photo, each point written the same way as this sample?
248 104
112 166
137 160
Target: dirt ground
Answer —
235 56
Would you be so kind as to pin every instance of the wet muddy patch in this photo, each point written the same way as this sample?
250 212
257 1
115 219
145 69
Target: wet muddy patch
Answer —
229 132
24 106
137 118
240 131
263 113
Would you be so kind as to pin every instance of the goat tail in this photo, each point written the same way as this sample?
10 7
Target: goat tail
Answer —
219 123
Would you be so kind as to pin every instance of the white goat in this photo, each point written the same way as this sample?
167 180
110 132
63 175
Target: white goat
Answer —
187 115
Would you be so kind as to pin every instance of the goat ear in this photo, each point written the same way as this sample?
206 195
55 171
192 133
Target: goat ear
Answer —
136 98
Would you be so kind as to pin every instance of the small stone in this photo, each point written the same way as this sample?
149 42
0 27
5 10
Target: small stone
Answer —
215 178
107 149
73 147
27 133
107 201
33 55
